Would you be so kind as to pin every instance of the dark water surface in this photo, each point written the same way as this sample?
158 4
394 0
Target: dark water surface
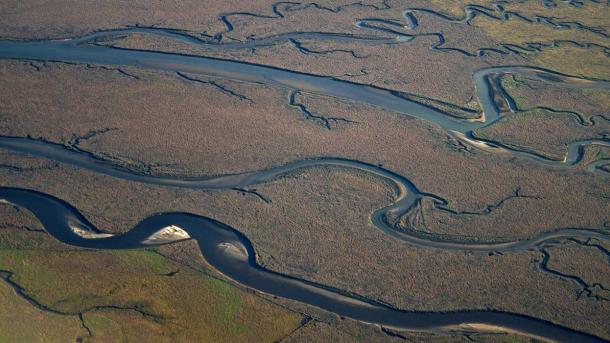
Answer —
230 251
233 255
78 50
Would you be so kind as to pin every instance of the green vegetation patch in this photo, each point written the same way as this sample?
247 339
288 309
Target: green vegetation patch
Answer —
591 63
22 322
138 295
518 31
566 57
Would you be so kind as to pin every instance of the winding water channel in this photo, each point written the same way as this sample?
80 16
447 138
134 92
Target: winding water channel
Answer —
384 218
232 254
230 251
79 50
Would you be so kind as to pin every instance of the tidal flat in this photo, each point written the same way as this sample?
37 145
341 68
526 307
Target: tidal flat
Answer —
345 171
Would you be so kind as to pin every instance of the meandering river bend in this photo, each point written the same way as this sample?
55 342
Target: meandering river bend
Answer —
230 251
80 50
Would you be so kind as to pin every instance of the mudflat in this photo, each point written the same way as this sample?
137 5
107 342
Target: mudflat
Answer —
350 171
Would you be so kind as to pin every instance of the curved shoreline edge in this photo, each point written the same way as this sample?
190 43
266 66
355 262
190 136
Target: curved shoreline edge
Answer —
233 255
78 50
230 251
386 218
